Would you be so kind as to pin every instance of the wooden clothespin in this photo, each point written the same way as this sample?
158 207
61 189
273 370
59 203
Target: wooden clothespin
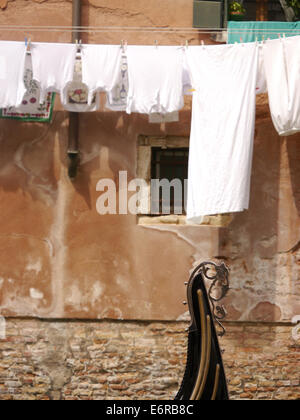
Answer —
28 45
79 45
78 49
123 46
202 43
156 43
186 44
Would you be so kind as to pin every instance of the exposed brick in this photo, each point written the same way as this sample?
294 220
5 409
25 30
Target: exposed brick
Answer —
131 360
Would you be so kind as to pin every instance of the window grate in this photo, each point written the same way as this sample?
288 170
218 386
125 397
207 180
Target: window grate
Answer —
170 164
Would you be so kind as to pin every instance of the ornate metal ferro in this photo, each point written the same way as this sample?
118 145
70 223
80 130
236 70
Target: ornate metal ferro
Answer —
204 377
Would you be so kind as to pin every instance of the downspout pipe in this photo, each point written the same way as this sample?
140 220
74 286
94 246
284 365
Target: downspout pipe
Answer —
73 138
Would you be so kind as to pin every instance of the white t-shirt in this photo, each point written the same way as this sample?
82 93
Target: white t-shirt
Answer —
12 68
76 96
155 79
53 67
117 97
223 116
282 69
100 67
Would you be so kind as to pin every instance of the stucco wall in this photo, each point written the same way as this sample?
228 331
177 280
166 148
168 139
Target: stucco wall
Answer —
60 258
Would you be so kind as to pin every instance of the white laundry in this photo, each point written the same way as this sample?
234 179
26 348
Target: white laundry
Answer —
186 78
76 96
261 83
30 108
100 67
222 132
282 68
118 95
12 68
155 79
53 67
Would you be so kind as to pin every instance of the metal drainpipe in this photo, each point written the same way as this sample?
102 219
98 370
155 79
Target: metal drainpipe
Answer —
73 144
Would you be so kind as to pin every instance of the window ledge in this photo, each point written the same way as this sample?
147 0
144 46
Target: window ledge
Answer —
221 220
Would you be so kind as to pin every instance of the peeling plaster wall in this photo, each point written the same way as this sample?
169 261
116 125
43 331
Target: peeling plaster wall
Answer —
60 259
262 245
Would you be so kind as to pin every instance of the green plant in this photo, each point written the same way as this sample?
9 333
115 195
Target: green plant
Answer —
295 5
236 7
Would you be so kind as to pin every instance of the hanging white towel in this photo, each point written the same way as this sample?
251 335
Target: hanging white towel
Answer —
100 67
53 67
155 79
282 68
222 132
12 68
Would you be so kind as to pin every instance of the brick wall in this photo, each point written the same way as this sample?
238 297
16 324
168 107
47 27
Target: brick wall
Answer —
138 360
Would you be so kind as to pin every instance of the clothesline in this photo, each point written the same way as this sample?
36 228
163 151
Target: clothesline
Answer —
115 29
224 81
107 28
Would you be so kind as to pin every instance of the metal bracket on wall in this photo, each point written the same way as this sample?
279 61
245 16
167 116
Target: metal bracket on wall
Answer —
74 161
73 146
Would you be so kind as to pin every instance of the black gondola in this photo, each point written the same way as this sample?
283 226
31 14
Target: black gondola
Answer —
204 377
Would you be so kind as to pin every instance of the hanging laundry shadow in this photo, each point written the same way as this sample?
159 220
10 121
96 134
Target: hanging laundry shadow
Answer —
27 159
104 151
250 243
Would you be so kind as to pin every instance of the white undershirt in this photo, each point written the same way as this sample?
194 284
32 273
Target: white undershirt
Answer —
222 132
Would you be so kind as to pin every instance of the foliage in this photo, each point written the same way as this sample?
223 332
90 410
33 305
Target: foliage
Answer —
236 7
295 5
